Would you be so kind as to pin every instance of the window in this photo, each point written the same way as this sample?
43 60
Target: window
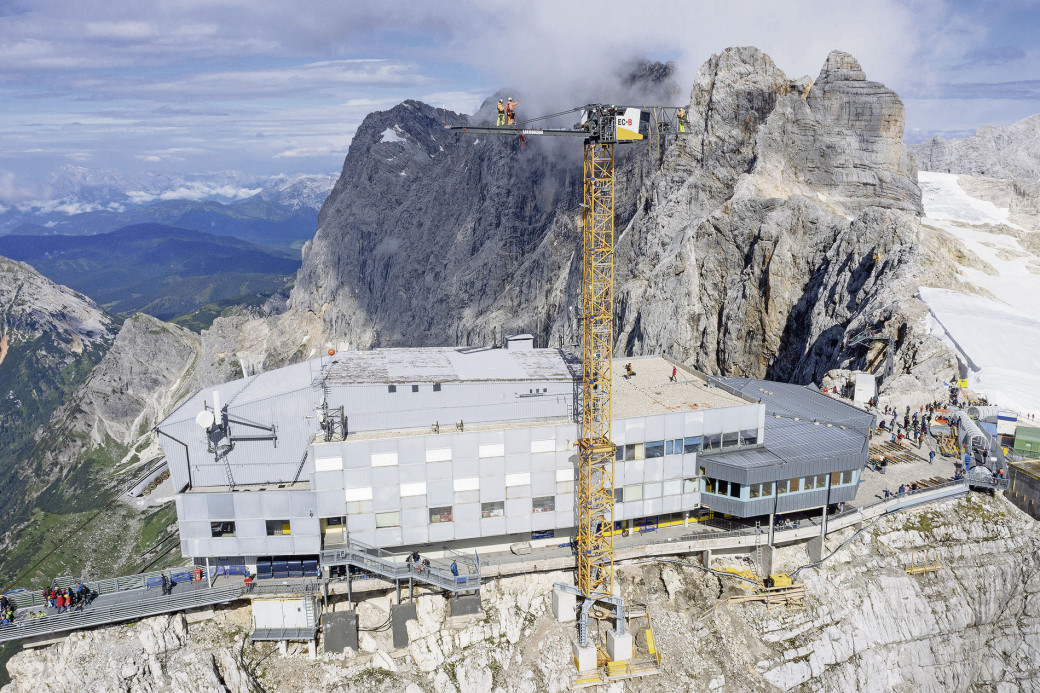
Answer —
278 527
222 529
436 387
713 441
391 388
633 451
634 493
438 515
654 449
388 520
723 487
846 477
821 481
781 486
691 444
749 437
730 440
415 388
835 478
808 483
709 485
493 509
652 490
763 490
734 489
619 495
543 504
689 485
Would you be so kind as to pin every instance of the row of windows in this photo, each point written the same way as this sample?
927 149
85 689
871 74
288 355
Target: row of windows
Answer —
679 446
226 528
655 489
722 487
437 388
415 388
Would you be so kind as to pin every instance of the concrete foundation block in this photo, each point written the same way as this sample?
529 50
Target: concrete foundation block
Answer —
619 647
312 649
283 646
564 606
706 558
465 605
767 561
815 549
399 616
584 657
340 631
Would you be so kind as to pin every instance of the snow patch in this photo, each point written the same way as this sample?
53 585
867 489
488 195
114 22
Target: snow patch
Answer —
390 135
944 199
995 340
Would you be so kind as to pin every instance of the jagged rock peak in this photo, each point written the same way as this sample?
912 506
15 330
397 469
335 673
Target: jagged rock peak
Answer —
997 151
841 67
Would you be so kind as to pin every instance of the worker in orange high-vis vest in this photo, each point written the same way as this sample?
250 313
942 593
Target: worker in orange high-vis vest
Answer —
511 111
501 114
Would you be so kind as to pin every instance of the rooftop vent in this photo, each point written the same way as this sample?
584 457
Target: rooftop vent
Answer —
520 341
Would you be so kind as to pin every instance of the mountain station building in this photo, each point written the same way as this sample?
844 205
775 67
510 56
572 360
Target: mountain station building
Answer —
474 449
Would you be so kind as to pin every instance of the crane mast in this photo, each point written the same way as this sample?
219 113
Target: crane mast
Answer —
602 126
595 495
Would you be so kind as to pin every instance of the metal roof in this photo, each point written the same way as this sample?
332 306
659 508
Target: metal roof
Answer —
790 400
449 364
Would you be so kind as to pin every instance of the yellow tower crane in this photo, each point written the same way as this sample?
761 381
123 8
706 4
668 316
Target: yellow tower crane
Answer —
602 126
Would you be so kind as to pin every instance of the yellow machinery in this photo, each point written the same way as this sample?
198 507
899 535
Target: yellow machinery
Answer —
602 126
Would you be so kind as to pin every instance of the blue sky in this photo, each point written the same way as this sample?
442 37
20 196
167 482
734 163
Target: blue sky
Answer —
279 87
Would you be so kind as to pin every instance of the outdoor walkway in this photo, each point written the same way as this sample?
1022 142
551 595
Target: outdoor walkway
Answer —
123 605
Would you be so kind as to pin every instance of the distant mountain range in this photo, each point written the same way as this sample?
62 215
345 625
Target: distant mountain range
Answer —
280 212
157 269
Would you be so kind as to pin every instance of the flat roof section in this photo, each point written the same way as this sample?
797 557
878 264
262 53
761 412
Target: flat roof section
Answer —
451 364
650 390
787 399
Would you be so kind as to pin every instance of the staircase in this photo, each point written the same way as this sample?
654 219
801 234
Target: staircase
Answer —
382 563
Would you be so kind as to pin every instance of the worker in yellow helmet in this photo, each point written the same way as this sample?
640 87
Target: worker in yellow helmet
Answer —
681 116
511 110
501 114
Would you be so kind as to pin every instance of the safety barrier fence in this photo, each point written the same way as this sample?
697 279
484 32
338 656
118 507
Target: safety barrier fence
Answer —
101 614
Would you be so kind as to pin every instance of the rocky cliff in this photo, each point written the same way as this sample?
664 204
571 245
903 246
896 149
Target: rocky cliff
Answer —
995 151
868 625
81 395
786 217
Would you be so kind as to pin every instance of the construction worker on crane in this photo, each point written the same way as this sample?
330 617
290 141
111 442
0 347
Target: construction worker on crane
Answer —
511 110
501 114
681 116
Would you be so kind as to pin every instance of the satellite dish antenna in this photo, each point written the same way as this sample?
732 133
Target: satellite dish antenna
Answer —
205 419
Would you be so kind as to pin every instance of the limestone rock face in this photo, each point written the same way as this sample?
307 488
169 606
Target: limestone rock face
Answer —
867 625
784 217
994 150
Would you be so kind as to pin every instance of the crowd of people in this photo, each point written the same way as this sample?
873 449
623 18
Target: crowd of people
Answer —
63 600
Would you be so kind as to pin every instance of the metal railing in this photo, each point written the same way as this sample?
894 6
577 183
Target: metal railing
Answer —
388 565
101 614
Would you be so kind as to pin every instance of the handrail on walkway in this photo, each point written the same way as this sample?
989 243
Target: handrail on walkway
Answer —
377 561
